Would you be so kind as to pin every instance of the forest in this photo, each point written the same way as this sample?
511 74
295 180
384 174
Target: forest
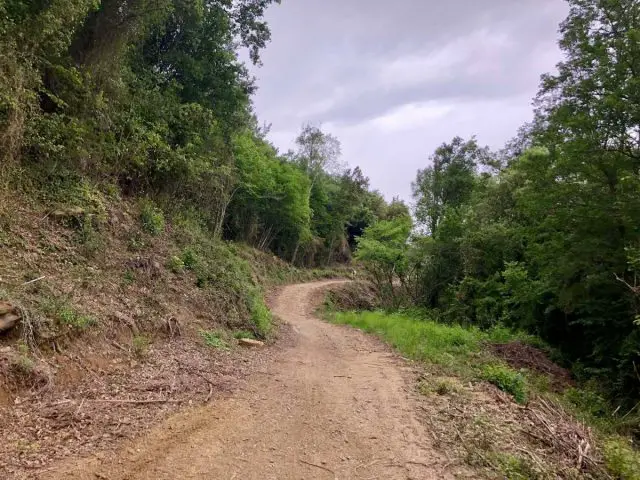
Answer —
543 235
151 99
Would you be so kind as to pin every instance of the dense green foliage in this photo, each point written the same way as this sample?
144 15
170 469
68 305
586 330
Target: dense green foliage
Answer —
545 235
454 349
151 98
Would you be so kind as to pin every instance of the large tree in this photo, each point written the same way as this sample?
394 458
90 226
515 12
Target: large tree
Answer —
447 182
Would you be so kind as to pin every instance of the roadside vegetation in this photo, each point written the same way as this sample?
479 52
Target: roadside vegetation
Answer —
540 237
540 430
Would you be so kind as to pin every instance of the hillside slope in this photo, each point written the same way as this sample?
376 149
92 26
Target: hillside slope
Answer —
123 308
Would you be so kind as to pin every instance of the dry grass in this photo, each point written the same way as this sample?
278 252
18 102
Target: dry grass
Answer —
481 427
563 435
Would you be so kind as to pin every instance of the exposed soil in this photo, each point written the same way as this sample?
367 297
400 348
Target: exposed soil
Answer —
101 397
356 295
521 355
331 403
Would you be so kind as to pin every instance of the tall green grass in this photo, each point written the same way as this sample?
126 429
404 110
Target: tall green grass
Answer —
460 351
420 340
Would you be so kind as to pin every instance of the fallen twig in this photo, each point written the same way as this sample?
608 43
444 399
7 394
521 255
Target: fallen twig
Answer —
318 466
206 400
160 400
34 280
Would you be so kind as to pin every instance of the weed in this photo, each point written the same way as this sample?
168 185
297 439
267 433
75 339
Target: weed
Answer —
587 401
152 218
213 339
515 467
507 380
136 243
443 387
189 258
175 264
140 345
23 364
621 459
66 315
90 239
260 314
128 278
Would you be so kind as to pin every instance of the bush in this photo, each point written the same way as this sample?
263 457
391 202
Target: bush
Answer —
507 380
621 459
189 258
152 218
175 264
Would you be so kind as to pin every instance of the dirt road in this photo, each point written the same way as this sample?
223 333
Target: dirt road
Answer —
335 404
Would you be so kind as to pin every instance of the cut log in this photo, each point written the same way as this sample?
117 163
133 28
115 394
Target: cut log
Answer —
250 342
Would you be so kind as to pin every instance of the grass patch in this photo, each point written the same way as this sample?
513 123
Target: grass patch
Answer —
450 346
507 380
213 339
140 345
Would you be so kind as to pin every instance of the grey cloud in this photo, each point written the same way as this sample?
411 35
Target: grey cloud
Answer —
321 44
347 62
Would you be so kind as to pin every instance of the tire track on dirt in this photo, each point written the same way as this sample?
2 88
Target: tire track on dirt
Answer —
334 405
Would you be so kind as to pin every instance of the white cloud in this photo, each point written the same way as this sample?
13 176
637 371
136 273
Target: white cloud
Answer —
408 116
478 52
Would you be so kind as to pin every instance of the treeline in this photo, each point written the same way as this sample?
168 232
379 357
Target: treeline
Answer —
544 235
151 97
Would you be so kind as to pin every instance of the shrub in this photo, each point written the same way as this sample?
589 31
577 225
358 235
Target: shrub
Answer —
189 258
152 218
175 264
621 459
507 380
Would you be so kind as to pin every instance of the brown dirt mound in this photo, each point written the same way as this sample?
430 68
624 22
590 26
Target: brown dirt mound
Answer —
354 296
521 355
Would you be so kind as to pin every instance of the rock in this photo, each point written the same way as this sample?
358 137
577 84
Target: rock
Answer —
126 319
6 308
250 342
9 316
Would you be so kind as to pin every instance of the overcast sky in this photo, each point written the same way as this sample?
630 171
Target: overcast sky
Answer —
393 79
